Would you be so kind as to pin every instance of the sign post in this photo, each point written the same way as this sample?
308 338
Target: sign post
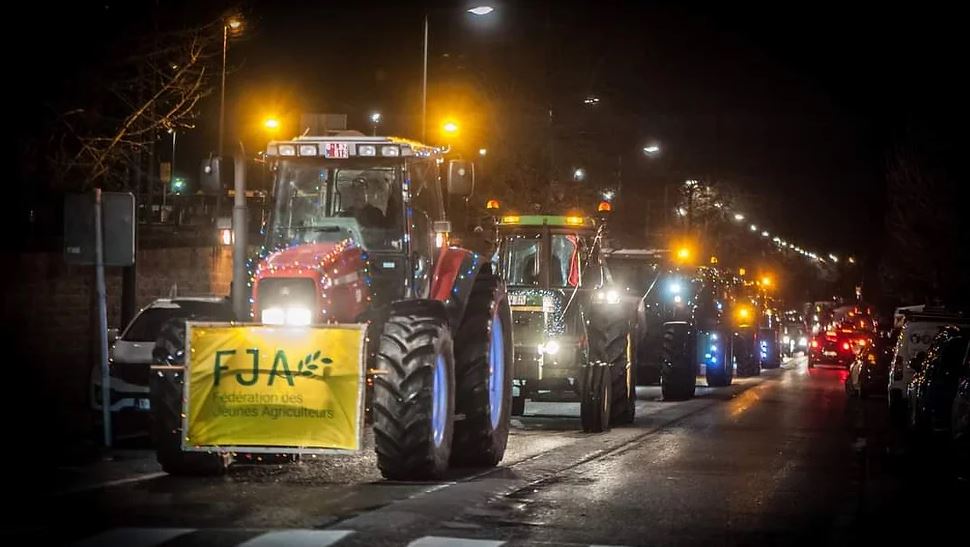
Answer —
99 231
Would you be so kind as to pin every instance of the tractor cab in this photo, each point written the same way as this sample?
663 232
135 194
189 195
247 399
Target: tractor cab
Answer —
356 222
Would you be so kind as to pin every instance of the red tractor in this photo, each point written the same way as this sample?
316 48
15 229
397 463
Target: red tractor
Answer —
358 233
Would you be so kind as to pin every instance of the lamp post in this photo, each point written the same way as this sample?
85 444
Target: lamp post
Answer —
232 24
477 11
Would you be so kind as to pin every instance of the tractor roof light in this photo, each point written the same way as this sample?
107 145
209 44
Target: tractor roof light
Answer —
604 207
492 204
574 221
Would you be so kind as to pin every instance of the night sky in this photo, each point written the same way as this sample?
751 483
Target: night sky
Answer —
794 105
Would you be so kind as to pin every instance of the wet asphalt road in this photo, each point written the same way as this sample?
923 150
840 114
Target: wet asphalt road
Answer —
784 458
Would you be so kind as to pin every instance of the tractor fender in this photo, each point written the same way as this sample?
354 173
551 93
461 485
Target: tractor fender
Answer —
454 275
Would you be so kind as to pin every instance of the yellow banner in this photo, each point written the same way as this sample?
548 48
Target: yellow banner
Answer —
263 386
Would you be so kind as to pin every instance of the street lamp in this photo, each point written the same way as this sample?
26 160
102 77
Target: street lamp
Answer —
754 227
483 152
738 217
579 174
449 128
651 150
230 24
477 11
271 124
375 119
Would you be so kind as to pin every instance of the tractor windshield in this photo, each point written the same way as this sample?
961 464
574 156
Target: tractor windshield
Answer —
328 201
523 264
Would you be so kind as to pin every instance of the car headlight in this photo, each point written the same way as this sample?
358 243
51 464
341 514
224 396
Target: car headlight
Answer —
674 287
549 348
294 316
803 342
786 339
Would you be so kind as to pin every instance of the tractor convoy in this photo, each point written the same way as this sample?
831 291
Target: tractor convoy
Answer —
433 345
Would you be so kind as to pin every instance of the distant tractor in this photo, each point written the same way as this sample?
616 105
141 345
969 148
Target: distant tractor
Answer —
573 339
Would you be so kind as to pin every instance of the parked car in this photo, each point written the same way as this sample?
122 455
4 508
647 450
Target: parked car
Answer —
131 355
936 379
869 372
917 331
960 416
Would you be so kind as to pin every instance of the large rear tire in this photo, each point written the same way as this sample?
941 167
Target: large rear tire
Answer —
772 357
483 379
414 393
165 391
595 404
744 356
719 368
678 376
610 343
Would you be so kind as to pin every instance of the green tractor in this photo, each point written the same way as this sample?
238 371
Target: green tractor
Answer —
571 334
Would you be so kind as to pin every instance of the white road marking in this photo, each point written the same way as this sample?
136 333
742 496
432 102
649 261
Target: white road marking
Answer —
436 541
297 538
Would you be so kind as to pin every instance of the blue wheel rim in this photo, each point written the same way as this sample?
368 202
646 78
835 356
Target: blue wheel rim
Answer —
439 404
496 371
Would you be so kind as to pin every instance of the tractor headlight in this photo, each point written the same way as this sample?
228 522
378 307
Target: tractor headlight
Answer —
293 316
549 348
607 296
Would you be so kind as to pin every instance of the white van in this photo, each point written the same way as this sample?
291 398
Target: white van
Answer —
918 330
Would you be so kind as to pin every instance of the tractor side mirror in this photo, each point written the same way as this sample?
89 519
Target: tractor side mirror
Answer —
461 178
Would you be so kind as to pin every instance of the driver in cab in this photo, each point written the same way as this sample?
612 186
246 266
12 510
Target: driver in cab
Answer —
360 208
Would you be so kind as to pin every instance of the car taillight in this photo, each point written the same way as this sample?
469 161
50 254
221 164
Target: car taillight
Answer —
845 346
862 341
814 343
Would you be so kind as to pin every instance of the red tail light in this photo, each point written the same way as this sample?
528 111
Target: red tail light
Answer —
845 345
862 341
814 343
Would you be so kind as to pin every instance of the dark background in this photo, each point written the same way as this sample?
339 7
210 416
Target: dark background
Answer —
798 108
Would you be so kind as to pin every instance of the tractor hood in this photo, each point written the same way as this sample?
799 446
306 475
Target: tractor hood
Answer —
326 278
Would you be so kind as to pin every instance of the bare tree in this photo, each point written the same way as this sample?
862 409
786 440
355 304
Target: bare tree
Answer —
155 88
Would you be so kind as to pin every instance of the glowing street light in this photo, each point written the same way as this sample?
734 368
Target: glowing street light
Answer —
765 233
481 10
754 227
579 174
738 217
651 150
483 152
271 124
449 128
375 120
